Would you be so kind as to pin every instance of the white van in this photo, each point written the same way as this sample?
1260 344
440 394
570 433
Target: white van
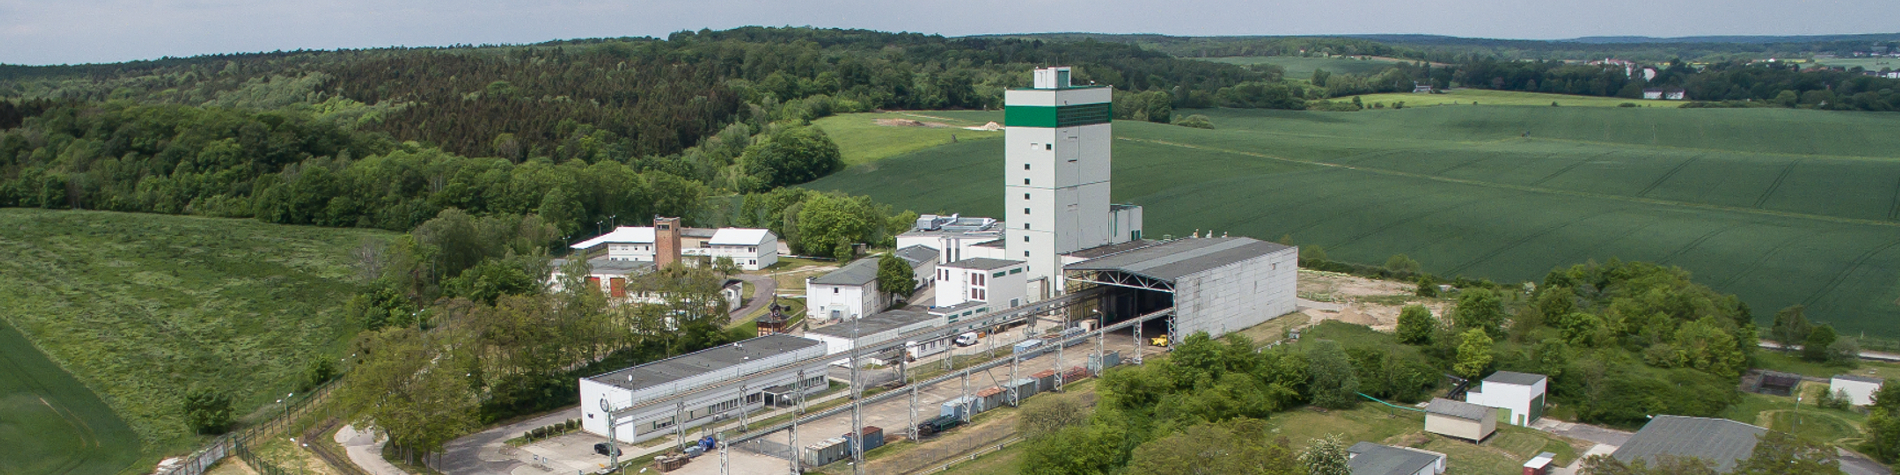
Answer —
967 339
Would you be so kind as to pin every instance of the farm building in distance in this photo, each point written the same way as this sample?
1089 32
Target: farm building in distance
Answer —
1460 419
1522 394
1665 94
1721 442
1859 389
674 394
1367 458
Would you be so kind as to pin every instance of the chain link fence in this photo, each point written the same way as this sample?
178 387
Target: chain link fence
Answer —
238 443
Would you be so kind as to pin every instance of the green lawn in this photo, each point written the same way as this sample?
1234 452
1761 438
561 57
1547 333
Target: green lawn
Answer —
1302 67
1778 206
1502 453
1870 64
862 139
1830 426
1487 97
139 307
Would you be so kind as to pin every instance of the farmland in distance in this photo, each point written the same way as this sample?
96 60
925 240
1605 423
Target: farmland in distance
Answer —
1779 206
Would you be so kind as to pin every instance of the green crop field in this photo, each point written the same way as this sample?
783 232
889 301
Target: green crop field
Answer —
1778 206
49 423
1302 67
140 307
1487 97
1870 64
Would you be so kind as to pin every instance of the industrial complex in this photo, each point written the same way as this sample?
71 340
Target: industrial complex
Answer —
1065 256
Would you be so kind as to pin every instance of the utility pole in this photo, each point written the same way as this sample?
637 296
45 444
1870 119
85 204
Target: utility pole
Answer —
857 404
792 450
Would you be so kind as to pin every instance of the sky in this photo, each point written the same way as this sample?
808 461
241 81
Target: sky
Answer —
93 31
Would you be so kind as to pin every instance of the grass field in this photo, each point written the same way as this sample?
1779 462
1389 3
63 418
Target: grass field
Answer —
1302 67
861 139
1487 97
1870 64
1778 206
139 307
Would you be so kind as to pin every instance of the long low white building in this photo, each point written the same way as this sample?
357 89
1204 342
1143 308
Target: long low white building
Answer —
879 329
750 249
661 397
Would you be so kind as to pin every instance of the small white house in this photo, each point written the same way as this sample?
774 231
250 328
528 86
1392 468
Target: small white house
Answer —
1860 389
1522 394
999 282
847 293
1460 419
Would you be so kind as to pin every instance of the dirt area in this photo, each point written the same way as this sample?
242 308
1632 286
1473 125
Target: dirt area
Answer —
1362 301
231 466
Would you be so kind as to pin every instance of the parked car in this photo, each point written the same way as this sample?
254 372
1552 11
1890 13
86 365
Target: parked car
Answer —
967 339
604 448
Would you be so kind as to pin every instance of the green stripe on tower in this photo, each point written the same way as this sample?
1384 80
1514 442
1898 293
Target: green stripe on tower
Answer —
1053 116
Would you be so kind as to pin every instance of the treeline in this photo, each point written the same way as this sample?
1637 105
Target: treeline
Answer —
620 99
1730 84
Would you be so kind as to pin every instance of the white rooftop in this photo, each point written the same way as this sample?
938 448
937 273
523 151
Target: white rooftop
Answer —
739 237
620 235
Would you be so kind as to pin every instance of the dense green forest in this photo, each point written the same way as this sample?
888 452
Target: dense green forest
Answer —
1449 49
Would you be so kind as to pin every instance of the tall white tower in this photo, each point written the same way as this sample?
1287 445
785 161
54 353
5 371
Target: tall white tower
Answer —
1056 176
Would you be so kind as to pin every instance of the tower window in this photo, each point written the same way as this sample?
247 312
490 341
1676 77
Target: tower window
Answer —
1025 225
1025 253
1025 210
1025 166
1025 238
1048 146
1025 181
1025 196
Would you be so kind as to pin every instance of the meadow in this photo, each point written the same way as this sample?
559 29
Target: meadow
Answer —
50 423
1778 206
140 307
865 138
1298 67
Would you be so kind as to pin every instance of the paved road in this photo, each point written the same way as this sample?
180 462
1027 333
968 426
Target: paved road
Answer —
365 451
482 453
1605 436
1865 355
763 286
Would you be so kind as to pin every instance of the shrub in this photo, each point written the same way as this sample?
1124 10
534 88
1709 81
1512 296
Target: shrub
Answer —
1627 104
208 411
1196 121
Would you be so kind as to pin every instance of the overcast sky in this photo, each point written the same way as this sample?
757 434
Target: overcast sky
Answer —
81 31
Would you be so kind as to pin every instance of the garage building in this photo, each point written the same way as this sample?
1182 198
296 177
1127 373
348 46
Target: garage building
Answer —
701 387
1460 419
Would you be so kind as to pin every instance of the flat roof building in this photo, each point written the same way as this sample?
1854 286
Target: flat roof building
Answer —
1721 442
877 330
698 387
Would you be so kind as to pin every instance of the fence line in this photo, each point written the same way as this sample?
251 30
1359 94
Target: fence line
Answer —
973 455
238 443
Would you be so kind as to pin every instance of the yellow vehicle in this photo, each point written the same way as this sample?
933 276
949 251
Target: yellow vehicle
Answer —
1161 341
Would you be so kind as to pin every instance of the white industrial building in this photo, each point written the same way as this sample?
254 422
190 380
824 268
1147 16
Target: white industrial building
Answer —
750 249
1216 285
880 329
1521 394
955 237
998 282
678 393
852 291
1860 389
1056 144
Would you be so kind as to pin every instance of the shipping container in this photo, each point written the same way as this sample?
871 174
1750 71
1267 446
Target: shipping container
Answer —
873 438
1074 373
938 425
1025 387
825 452
960 408
1107 360
1045 379
992 397
1072 336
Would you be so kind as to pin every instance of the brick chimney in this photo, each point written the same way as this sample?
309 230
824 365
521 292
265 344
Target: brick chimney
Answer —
666 241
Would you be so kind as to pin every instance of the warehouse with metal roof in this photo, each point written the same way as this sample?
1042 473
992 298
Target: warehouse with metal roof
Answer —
1215 284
